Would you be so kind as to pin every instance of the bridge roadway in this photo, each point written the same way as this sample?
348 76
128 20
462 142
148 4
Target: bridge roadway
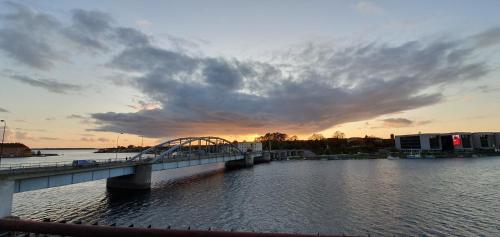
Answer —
133 173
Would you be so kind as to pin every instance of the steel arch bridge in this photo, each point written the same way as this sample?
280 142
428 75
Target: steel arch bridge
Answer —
189 148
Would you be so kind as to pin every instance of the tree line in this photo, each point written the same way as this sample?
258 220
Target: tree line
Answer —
317 143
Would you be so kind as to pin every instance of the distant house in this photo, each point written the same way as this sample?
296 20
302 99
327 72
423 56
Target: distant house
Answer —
249 146
15 150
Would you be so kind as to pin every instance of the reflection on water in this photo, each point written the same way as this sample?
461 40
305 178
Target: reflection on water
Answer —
380 197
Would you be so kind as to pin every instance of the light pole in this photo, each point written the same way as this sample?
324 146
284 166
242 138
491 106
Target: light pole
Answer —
116 153
3 137
142 141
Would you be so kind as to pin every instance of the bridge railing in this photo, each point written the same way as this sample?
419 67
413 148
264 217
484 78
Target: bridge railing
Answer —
58 164
6 168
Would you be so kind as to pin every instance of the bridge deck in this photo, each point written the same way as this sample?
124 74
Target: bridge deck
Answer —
35 177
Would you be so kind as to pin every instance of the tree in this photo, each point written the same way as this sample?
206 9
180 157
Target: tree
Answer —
293 138
276 136
338 135
316 137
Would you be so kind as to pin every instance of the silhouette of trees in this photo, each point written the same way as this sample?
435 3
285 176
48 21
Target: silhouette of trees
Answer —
318 144
338 135
316 137
293 138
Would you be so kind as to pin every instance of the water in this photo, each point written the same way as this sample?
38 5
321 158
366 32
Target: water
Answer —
458 197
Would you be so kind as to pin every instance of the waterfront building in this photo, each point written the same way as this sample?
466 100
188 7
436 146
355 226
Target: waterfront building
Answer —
486 140
15 150
460 141
250 146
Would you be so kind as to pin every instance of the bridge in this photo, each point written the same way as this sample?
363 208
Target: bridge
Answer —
130 173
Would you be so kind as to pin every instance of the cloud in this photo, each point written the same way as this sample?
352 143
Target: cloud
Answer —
48 84
397 122
308 89
25 36
144 105
83 119
402 122
75 116
368 8
487 38
49 138
2 110
321 87
487 89
40 40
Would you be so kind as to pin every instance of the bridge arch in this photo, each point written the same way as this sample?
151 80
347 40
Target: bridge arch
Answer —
184 147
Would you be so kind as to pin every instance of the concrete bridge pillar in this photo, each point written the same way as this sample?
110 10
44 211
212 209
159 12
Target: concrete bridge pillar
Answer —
6 196
247 161
266 156
141 180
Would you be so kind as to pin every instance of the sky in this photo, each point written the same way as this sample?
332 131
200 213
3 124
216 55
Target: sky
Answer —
78 73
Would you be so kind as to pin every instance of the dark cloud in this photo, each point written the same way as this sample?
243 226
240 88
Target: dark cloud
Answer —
308 89
25 36
2 110
48 84
488 38
397 122
83 119
40 40
487 89
321 87
89 29
402 122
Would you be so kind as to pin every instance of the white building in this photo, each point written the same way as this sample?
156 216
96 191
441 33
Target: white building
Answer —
447 141
250 146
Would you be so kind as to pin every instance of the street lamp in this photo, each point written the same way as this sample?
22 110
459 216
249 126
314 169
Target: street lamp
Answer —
3 137
116 156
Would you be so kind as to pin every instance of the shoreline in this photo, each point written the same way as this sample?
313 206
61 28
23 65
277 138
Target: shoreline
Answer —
374 157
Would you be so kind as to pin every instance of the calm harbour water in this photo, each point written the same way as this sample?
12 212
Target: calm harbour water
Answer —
382 197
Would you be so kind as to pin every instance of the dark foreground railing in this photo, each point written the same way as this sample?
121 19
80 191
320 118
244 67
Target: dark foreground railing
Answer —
9 227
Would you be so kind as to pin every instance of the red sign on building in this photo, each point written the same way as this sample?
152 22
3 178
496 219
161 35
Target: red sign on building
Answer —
457 140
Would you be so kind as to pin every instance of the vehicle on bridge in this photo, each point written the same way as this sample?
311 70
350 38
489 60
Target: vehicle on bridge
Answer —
80 163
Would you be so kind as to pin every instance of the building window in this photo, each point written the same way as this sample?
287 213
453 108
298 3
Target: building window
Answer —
466 141
434 142
410 142
484 140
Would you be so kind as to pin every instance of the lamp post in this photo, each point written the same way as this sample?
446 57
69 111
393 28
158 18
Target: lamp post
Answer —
3 137
142 141
116 153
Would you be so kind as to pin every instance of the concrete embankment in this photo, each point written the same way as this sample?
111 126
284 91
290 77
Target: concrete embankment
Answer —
335 157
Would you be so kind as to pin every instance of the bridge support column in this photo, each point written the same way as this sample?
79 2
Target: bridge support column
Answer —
247 161
6 196
141 180
266 157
